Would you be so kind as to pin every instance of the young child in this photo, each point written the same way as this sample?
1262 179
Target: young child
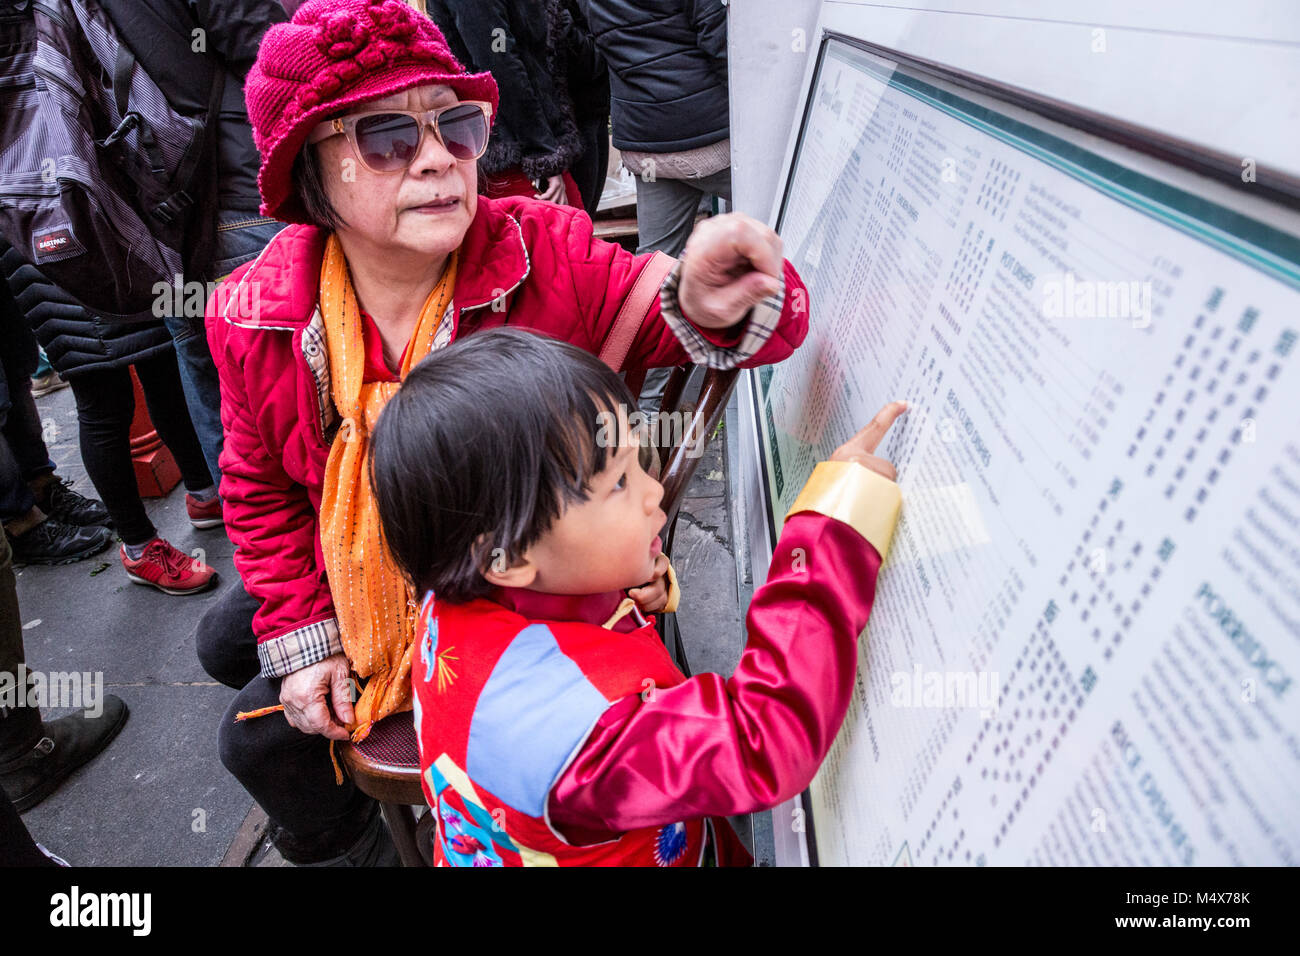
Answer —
554 728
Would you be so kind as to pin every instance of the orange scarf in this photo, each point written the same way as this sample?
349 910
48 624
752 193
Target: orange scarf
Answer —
375 607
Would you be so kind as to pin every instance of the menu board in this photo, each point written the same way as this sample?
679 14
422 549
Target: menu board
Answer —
1085 643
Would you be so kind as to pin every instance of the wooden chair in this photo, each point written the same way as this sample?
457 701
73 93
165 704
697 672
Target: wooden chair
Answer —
681 458
386 765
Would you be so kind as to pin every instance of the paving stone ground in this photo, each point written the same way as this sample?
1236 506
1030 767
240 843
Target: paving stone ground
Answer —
157 795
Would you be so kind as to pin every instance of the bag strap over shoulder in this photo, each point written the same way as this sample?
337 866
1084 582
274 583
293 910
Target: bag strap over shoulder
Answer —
199 259
635 308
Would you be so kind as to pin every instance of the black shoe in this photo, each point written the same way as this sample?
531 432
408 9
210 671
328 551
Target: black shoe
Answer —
67 743
53 542
60 502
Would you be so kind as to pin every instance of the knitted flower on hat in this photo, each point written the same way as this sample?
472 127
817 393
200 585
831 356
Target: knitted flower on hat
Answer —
333 55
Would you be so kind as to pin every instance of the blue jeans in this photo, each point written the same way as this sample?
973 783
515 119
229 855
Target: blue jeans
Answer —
43 367
240 237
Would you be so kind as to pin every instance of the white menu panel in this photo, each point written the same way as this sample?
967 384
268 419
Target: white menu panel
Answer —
1085 643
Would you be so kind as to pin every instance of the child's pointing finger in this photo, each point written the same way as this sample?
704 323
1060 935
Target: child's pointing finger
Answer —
868 438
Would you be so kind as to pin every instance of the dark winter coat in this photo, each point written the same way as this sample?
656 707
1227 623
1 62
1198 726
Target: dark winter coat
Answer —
75 339
589 90
521 43
668 71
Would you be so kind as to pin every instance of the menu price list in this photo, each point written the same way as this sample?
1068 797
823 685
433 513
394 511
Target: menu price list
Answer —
1097 571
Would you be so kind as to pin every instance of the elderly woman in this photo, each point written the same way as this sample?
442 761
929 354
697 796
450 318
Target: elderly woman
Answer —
369 131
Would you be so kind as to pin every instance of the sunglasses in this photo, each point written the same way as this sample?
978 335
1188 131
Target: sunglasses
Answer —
387 141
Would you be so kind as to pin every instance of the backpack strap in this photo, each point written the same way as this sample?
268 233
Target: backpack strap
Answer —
128 120
122 70
178 202
618 342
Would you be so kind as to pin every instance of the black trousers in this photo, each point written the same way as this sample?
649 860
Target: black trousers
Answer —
287 772
23 455
105 407
20 727
17 848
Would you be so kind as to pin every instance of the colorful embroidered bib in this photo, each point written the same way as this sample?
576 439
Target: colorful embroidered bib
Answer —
502 705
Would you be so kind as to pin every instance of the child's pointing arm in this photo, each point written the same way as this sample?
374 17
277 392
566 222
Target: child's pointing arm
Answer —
712 747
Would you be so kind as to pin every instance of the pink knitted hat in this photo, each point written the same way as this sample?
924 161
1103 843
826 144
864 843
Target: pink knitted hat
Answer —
335 54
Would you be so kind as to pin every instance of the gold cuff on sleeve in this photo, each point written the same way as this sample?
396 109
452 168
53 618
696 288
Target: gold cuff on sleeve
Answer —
846 491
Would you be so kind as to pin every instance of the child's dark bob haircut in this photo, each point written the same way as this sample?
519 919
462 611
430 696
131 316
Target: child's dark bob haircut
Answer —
483 446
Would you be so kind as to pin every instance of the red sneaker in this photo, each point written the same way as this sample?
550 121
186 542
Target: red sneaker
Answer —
204 514
168 569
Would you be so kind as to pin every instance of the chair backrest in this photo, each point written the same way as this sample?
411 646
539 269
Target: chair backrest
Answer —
697 423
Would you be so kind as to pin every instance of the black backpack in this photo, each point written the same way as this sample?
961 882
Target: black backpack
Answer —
103 186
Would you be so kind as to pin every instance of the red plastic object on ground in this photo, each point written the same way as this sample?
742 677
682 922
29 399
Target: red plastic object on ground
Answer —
156 471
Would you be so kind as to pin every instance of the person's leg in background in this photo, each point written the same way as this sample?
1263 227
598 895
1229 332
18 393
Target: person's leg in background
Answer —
17 848
36 756
17 502
198 377
589 172
24 431
165 396
46 522
288 773
666 209
20 726
45 379
665 215
240 237
105 406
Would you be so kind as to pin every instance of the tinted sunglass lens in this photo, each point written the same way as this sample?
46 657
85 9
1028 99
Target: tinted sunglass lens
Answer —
387 141
464 131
